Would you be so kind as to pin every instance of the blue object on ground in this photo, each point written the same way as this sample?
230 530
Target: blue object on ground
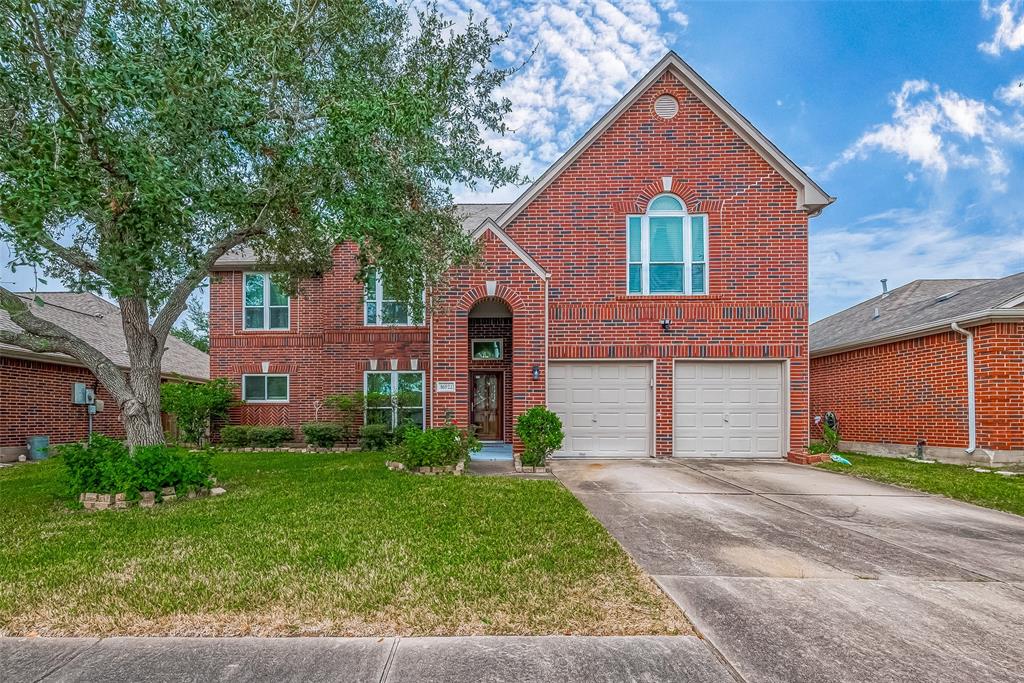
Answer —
840 459
38 447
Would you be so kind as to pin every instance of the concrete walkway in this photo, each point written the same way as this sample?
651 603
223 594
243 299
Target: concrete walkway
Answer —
375 660
798 574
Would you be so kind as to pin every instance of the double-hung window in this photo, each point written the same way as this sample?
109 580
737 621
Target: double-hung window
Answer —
266 305
394 398
667 250
382 307
265 388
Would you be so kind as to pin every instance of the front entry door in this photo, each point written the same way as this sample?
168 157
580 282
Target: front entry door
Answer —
485 405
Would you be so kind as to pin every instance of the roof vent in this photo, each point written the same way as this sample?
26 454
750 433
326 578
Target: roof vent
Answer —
666 106
877 314
946 297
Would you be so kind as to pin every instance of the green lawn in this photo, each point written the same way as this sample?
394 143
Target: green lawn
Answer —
953 481
319 544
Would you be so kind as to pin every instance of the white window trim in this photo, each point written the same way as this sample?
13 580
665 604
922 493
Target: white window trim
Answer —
645 250
499 342
394 389
288 387
266 306
378 299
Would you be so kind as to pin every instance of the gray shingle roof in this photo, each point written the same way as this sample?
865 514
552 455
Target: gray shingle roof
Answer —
913 305
98 322
473 216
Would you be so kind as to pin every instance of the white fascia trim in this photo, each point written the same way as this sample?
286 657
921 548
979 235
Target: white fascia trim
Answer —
489 224
810 197
973 319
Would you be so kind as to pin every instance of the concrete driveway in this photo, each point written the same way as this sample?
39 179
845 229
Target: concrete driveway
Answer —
798 574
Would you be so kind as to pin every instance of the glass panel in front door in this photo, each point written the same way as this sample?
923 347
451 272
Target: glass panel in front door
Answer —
486 406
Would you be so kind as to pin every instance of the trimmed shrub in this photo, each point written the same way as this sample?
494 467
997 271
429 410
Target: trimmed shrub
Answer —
348 409
195 405
235 436
104 465
438 447
375 437
270 437
322 434
540 430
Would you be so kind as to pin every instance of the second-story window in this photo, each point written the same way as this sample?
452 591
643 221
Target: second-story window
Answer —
266 305
667 250
382 306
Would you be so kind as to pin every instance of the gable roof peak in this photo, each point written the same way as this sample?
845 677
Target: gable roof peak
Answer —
810 196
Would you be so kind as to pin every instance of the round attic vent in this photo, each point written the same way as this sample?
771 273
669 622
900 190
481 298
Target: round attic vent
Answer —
666 106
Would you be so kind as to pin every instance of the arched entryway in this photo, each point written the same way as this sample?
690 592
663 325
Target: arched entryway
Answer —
489 349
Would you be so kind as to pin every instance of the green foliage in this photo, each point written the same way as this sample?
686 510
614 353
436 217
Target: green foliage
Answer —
830 438
194 405
540 430
438 447
270 437
196 328
322 434
375 437
234 436
154 131
348 410
240 436
104 465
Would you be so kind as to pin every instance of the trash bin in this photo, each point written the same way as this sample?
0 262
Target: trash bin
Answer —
38 447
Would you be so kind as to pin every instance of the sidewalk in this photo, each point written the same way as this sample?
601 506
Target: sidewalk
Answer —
681 659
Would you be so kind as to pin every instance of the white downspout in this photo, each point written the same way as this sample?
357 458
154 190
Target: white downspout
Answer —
971 423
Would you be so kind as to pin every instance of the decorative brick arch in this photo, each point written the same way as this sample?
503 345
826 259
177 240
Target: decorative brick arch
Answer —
509 296
686 193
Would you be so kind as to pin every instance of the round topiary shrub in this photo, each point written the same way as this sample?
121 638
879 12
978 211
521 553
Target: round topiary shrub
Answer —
540 430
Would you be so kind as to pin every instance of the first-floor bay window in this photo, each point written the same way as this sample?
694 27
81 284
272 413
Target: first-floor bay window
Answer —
394 398
265 388
667 250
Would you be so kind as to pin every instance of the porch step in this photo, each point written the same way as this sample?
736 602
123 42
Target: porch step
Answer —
494 450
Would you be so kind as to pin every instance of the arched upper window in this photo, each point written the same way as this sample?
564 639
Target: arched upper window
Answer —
667 249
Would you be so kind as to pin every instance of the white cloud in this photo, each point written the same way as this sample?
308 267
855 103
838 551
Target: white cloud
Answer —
938 130
903 245
1009 33
585 55
1012 93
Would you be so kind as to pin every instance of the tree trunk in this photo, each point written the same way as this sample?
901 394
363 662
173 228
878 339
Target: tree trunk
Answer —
141 411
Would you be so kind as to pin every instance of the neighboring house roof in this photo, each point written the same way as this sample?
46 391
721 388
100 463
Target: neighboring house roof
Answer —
810 197
98 322
473 215
919 308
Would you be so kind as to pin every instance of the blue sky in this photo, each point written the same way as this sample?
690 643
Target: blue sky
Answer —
910 113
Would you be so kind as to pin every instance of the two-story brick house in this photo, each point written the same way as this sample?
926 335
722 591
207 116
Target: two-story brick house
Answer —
650 288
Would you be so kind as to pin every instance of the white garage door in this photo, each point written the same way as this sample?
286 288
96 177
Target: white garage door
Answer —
729 410
605 408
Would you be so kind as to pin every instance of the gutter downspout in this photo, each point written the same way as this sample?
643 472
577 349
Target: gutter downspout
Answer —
971 421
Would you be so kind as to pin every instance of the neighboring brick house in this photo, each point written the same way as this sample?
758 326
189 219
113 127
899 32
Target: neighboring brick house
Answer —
900 369
650 288
36 388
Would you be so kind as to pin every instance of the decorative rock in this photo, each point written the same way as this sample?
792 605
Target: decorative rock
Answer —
217 491
1007 473
981 469
148 499
395 466
22 458
89 496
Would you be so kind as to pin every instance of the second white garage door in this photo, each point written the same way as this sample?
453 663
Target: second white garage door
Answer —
605 408
729 409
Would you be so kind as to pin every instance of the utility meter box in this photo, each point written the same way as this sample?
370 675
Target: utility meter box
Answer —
81 395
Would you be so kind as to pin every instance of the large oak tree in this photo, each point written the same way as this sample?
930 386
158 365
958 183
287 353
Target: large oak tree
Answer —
143 139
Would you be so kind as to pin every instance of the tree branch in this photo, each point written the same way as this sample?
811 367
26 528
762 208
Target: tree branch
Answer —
44 336
178 297
70 255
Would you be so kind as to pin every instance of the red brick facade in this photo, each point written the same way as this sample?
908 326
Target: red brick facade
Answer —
916 389
755 308
35 400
